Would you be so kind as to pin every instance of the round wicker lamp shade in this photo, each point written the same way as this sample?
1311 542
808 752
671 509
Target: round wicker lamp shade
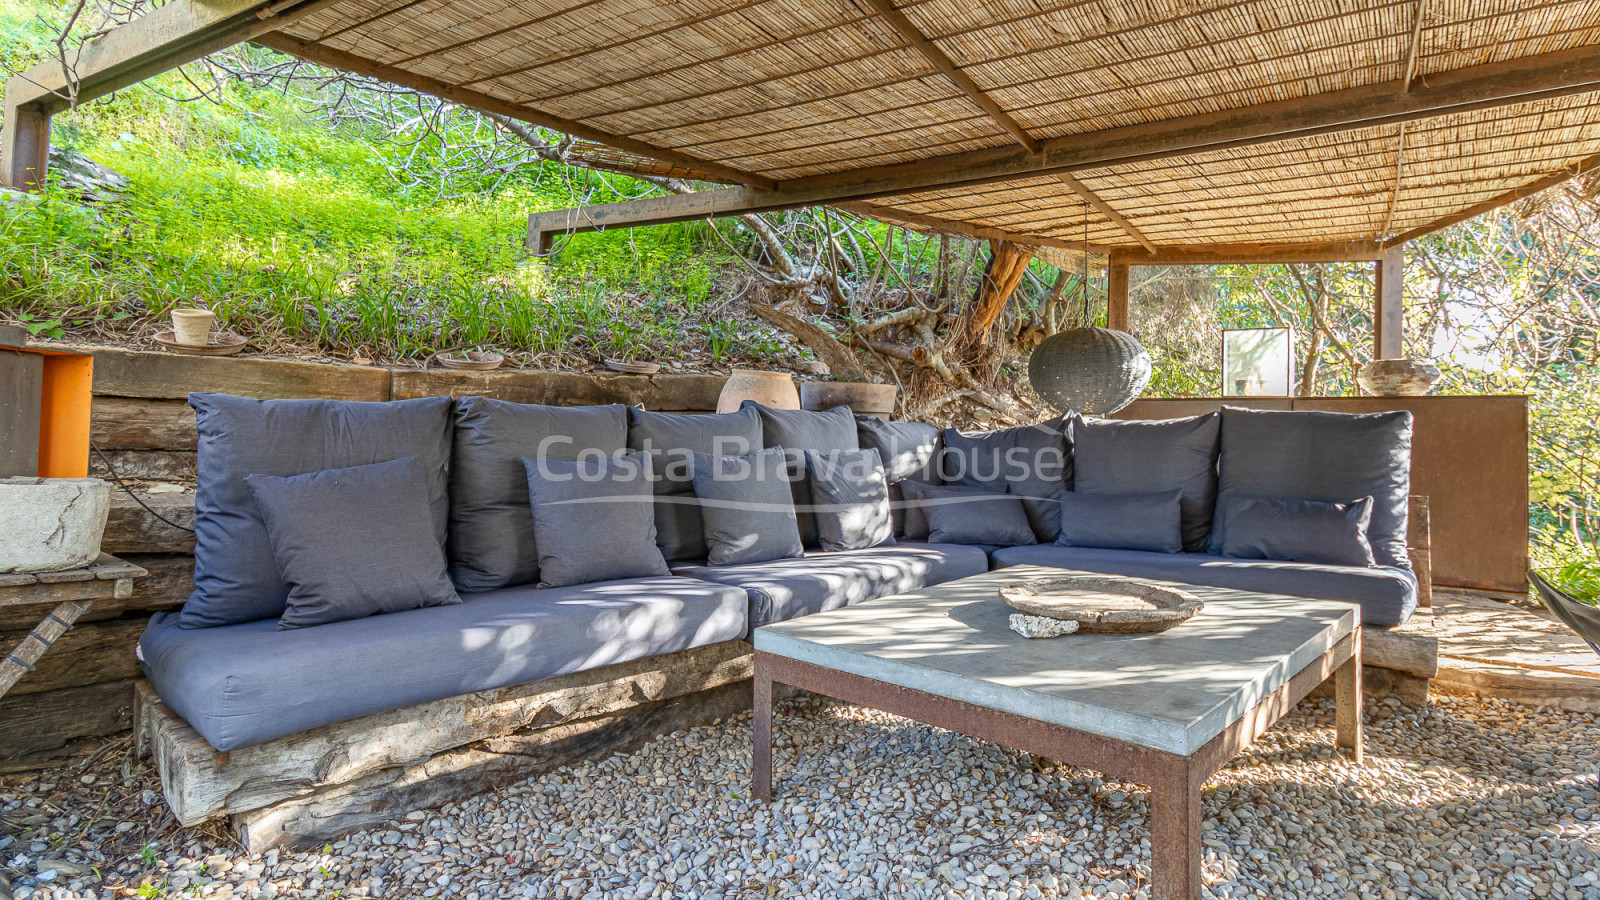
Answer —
1095 371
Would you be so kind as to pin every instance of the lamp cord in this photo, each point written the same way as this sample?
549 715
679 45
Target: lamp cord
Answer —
112 471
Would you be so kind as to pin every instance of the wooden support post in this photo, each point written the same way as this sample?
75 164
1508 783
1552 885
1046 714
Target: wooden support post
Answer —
1118 276
1388 313
25 146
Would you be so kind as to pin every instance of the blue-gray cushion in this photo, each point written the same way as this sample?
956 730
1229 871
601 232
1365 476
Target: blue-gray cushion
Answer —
799 430
784 589
235 574
1152 522
1314 455
243 684
910 452
970 515
1112 456
353 542
674 437
851 497
594 519
746 507
1033 462
492 542
1387 595
1312 531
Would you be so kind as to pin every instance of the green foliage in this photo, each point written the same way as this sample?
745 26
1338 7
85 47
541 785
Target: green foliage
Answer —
1579 580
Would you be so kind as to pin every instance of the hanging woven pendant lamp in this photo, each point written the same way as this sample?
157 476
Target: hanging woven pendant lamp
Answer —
1094 371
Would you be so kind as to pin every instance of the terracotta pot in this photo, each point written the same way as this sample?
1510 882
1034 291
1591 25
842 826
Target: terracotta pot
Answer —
1398 378
861 396
774 389
192 327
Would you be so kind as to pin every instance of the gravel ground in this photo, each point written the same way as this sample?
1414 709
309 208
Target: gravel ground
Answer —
1465 799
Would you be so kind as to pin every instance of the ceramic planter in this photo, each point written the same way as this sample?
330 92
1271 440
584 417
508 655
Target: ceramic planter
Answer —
773 389
51 524
192 327
1398 378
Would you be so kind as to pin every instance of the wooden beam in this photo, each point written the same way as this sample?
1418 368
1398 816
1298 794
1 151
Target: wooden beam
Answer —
914 36
1241 254
1118 286
1399 175
338 59
164 38
1414 46
1106 209
544 227
1388 313
24 147
1481 87
1581 167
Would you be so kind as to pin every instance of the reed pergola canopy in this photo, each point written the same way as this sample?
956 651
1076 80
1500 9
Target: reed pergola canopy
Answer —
1317 128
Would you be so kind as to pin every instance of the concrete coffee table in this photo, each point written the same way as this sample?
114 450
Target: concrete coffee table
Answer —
1165 709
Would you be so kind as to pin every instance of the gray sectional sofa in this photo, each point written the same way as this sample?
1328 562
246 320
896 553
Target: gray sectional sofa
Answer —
240 673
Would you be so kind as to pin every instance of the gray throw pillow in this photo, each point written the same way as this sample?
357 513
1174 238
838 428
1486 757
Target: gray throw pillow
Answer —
1295 530
594 519
968 515
1033 462
746 507
492 543
674 438
851 497
910 452
1314 455
236 577
1150 522
799 430
355 542
1111 456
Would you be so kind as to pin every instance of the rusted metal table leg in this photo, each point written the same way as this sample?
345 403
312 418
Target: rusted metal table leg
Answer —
1175 835
761 752
1347 703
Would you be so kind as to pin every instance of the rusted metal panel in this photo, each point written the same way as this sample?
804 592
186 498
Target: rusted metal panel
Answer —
1469 457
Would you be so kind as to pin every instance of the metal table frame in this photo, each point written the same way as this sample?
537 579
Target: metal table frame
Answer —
1175 781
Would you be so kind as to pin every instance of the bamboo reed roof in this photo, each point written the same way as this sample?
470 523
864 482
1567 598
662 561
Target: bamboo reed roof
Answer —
802 89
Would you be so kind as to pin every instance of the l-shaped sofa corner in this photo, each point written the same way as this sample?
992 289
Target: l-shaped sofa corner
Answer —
299 734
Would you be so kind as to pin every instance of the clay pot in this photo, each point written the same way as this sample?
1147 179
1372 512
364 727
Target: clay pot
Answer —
862 397
192 327
1398 378
773 389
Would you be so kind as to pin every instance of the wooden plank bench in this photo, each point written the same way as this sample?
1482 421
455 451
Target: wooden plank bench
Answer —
299 790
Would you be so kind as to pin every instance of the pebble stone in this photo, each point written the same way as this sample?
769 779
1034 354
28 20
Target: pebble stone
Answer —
1463 799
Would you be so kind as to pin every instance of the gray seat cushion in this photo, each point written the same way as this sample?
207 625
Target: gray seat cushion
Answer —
1111 456
784 589
910 452
236 577
799 430
1315 455
1033 462
1387 595
492 543
675 437
240 685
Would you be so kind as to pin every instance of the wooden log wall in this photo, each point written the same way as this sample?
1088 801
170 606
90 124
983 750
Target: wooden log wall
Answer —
82 692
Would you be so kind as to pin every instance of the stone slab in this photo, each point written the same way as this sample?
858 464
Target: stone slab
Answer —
1171 691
